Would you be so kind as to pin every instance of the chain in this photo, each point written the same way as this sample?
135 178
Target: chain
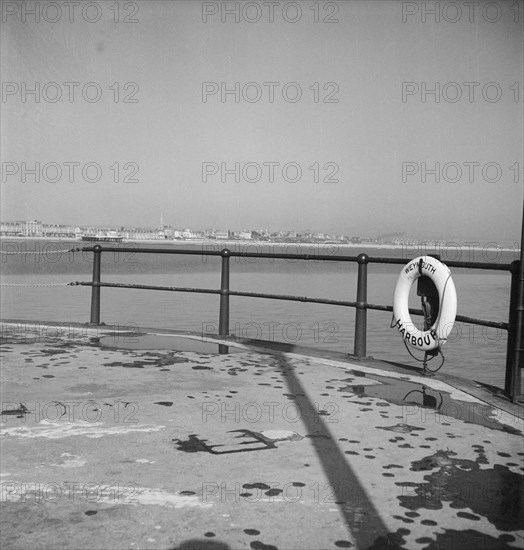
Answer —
36 284
42 251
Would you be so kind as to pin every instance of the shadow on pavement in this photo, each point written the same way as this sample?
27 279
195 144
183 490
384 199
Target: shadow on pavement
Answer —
359 513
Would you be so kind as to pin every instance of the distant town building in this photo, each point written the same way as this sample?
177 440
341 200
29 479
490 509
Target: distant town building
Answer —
37 229
189 234
12 229
33 228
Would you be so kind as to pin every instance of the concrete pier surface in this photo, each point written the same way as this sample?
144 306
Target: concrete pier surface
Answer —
155 440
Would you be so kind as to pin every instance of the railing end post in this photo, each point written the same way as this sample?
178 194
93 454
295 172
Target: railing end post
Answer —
513 351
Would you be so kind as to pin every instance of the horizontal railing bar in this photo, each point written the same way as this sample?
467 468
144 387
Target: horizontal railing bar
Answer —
127 250
151 287
449 263
291 298
232 253
460 318
308 257
284 256
473 321
230 292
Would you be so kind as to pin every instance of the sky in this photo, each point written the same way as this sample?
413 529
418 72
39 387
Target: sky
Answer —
330 123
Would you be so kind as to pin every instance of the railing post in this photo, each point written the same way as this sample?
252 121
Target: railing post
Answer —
95 289
361 313
513 373
223 321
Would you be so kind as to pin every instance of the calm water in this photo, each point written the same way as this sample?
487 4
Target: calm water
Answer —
471 351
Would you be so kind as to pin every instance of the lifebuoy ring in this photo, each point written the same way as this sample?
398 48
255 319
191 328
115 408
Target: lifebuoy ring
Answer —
439 273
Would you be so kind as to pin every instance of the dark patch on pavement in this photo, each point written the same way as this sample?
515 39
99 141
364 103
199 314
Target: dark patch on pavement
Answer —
464 540
401 428
259 545
390 541
262 486
495 493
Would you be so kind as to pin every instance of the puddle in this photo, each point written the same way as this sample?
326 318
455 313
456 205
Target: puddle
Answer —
161 342
416 397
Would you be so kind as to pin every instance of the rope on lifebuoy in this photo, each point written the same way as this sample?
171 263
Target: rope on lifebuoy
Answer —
437 334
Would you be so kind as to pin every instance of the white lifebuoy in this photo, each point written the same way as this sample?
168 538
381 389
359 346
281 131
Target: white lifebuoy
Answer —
439 273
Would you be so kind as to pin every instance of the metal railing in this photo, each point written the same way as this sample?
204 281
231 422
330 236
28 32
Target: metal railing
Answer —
513 326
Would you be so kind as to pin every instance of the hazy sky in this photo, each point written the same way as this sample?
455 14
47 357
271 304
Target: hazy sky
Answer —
374 140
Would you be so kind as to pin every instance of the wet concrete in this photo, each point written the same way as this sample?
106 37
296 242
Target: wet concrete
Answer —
139 341
167 448
409 393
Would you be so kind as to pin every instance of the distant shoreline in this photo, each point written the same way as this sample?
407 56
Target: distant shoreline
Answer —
244 243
